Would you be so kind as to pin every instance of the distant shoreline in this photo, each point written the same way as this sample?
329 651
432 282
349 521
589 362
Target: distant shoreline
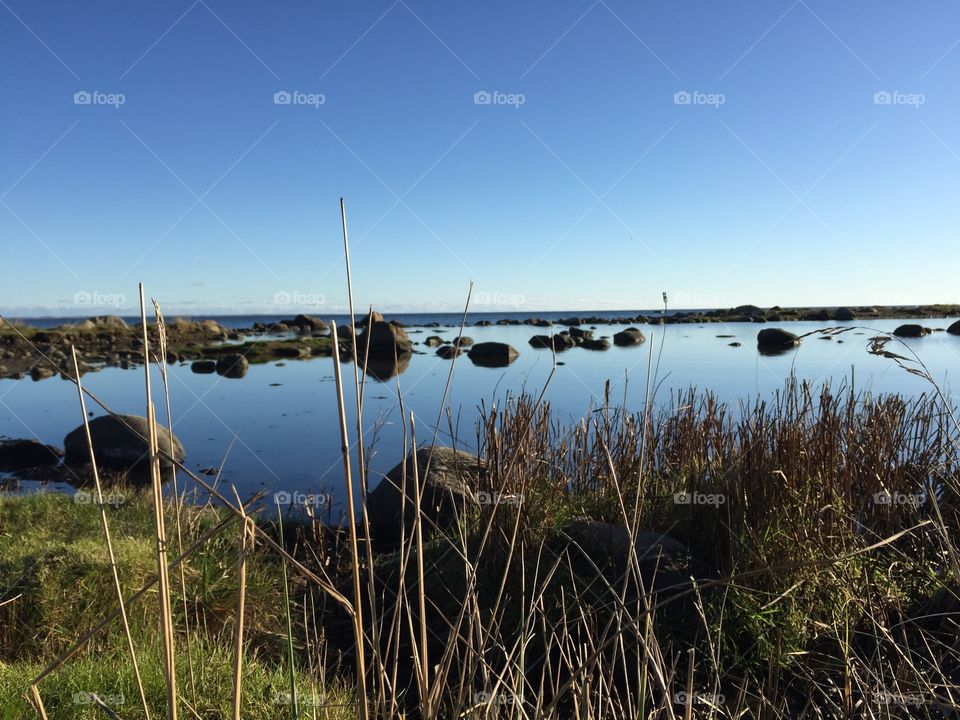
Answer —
742 313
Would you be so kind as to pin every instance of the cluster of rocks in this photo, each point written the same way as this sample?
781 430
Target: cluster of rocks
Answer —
119 445
743 313
576 336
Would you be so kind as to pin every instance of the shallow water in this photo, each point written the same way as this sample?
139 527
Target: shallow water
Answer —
277 427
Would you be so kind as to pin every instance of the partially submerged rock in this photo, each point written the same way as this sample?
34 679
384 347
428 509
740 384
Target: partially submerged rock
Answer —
23 454
911 330
119 443
232 366
628 337
383 340
493 354
955 328
776 340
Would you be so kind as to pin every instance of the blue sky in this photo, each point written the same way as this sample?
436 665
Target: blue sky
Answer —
814 158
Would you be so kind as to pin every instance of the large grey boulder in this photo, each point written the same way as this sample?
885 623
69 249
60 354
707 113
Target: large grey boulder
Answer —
118 447
448 479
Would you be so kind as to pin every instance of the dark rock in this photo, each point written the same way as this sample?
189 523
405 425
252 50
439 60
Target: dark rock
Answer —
203 367
596 344
911 331
493 354
463 341
628 337
374 316
751 310
666 565
278 328
955 328
111 322
448 479
22 454
314 323
232 366
576 332
844 314
734 344
541 341
41 372
118 447
433 341
386 340
448 352
776 340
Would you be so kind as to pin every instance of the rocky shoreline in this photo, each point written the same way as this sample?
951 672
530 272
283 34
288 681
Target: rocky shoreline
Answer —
109 341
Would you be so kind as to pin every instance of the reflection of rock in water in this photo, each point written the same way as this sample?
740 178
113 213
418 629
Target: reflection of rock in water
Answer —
383 368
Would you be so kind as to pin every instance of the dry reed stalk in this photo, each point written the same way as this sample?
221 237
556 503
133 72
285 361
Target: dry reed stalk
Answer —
361 454
106 535
38 701
352 519
245 540
166 615
177 500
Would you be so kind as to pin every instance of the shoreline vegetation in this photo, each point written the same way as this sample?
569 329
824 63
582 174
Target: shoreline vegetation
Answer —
109 341
795 556
797 560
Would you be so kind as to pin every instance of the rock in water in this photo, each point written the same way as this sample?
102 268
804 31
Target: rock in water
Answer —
118 447
448 352
775 340
449 478
492 354
911 331
232 366
203 367
628 337
955 328
844 314
595 344
22 454
385 340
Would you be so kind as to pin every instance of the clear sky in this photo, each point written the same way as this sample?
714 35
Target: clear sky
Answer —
773 152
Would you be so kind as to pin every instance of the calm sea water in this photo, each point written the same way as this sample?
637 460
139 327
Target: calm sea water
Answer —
277 427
